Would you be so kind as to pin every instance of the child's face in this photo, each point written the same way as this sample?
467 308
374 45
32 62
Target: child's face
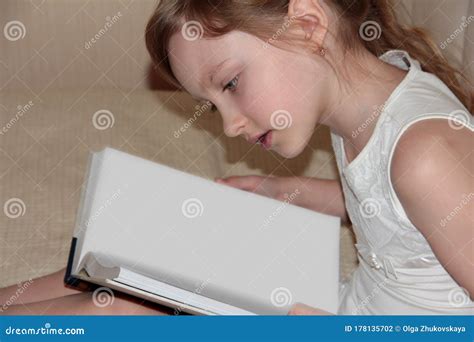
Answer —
266 88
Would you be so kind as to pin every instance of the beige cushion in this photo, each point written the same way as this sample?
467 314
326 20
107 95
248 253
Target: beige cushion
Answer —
44 150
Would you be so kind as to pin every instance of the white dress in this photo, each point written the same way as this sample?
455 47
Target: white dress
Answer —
398 273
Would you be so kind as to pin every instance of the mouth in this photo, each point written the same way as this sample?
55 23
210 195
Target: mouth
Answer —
265 140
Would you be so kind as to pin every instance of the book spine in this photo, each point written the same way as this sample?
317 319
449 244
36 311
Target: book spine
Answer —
69 279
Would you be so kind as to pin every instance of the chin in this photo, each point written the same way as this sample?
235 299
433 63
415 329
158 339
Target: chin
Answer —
292 147
291 151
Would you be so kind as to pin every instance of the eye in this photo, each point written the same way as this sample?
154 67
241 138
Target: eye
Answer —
208 104
232 85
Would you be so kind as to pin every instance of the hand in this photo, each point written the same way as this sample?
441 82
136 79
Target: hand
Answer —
303 309
270 186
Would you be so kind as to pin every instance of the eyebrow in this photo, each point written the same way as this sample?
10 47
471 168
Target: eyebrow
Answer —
213 70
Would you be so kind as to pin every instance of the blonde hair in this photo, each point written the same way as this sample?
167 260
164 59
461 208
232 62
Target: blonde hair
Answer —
262 18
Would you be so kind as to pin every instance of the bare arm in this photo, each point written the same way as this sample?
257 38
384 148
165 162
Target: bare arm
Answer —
321 195
432 173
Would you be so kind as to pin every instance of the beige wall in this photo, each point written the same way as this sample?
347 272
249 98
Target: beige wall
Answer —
53 52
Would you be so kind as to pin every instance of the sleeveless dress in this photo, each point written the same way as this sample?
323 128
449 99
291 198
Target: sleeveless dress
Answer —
398 273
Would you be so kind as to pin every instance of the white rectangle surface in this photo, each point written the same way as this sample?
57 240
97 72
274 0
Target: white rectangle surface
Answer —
233 246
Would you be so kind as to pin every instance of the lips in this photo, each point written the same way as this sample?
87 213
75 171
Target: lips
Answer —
255 139
265 139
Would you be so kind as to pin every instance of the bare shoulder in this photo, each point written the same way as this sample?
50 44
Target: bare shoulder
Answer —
430 148
429 156
432 173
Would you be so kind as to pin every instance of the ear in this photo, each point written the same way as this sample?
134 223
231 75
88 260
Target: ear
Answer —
311 20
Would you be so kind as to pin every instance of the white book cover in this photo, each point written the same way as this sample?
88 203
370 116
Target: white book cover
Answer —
210 247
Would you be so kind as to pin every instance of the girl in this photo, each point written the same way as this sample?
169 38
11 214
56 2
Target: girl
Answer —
400 125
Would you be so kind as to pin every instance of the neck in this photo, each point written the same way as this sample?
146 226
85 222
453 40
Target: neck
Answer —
354 105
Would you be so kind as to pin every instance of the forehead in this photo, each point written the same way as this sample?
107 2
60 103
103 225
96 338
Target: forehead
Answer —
191 58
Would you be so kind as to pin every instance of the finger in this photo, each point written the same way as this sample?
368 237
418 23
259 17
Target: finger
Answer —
303 309
242 182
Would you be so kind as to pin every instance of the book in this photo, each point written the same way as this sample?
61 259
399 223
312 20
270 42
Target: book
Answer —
200 247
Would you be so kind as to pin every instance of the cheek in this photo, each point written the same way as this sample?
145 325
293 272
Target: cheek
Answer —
267 106
304 83
270 95
255 103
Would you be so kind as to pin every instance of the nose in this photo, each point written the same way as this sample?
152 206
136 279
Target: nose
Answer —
234 124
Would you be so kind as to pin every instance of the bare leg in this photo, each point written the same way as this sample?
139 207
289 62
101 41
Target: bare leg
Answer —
47 287
83 304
